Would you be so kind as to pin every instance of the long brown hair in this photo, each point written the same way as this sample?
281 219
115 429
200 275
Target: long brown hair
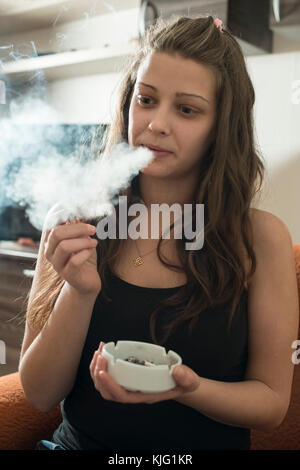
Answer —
216 274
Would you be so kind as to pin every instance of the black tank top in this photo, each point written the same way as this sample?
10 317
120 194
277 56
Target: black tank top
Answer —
91 422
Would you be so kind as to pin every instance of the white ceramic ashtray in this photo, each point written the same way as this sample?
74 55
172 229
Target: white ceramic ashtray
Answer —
142 367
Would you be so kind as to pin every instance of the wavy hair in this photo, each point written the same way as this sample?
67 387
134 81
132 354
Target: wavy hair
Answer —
230 176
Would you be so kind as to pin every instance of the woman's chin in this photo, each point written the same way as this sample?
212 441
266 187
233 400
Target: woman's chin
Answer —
154 170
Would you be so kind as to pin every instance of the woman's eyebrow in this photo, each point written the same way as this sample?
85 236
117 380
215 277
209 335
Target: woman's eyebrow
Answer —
177 94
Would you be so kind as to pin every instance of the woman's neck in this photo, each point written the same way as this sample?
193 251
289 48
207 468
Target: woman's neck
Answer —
154 190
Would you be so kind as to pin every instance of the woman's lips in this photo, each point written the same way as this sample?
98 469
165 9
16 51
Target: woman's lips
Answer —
159 153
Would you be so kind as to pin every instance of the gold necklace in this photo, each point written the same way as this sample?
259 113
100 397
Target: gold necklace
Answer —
138 261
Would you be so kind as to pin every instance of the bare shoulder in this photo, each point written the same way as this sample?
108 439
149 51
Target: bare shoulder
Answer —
269 235
272 245
266 220
269 231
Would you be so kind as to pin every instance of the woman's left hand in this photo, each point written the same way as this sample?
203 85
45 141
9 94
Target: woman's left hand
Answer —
110 390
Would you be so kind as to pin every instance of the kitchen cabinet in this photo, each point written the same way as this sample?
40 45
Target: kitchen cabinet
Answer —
17 264
72 63
66 39
32 14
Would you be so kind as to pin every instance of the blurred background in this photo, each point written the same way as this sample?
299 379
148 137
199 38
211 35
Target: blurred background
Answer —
60 65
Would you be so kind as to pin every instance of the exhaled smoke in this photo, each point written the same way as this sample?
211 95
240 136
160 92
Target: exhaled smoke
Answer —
34 173
86 190
37 176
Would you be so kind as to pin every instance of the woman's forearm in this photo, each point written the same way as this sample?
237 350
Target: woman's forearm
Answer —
248 404
48 368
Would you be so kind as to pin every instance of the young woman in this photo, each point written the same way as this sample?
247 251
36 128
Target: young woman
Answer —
230 309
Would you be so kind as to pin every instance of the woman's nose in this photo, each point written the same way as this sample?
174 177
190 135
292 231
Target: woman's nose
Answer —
160 123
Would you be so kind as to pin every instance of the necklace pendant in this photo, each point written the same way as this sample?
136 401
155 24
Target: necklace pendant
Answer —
138 261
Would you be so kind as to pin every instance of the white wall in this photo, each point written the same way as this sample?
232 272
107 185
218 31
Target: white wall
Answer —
93 32
277 120
87 100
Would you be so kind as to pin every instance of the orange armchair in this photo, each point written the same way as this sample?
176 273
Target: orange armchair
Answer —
22 426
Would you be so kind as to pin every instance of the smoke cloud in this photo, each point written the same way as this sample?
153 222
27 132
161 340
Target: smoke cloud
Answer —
34 175
36 170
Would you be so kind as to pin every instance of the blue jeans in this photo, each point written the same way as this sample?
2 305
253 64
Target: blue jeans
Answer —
48 445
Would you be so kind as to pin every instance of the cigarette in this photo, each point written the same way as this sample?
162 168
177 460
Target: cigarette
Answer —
139 362
146 363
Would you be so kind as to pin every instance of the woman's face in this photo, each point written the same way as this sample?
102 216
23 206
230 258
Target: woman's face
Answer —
162 114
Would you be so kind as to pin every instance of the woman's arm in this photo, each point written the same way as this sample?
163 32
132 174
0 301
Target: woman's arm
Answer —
248 404
48 367
261 401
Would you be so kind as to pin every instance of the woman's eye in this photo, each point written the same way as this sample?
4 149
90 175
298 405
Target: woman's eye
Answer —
141 98
185 107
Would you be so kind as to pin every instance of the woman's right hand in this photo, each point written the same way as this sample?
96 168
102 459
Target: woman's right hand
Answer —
73 255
